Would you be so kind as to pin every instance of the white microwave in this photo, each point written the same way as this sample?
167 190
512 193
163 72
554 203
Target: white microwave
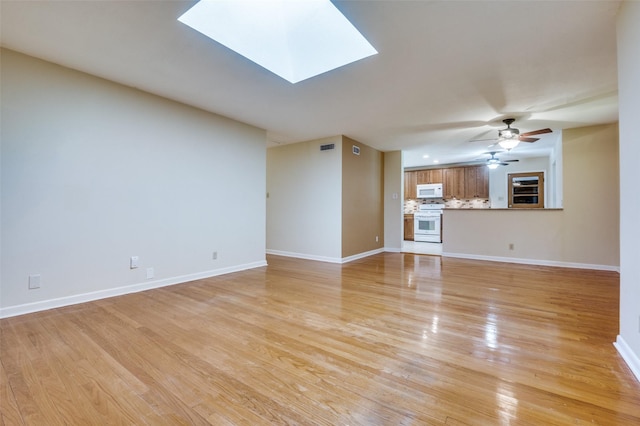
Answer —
429 190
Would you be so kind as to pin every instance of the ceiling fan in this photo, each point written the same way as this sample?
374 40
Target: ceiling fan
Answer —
510 137
494 161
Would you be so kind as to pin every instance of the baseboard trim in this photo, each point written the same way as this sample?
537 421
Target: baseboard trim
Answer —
392 250
362 255
534 262
304 256
628 356
324 258
44 305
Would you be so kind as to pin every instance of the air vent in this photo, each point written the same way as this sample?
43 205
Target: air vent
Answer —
327 147
355 149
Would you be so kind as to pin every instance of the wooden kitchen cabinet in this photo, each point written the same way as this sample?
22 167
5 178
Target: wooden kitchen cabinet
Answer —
429 176
482 181
453 182
436 176
410 182
423 176
408 227
457 182
476 182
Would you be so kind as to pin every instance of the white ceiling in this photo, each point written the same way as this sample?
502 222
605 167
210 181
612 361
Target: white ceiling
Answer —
447 71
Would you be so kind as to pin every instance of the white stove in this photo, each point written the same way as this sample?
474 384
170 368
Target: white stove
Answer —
427 223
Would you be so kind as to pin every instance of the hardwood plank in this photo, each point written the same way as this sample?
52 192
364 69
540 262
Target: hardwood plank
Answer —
389 339
10 414
29 376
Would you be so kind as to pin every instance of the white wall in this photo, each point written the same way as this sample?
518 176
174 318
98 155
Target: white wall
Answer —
94 172
393 201
498 182
304 208
556 171
628 342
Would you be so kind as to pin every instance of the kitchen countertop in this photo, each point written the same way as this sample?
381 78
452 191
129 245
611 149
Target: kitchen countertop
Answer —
504 208
490 208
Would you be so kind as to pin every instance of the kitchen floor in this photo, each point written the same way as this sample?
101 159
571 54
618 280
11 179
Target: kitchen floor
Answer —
422 248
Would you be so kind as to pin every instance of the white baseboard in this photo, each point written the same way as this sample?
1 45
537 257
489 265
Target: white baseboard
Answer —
28 308
304 256
628 356
393 250
324 258
534 262
361 255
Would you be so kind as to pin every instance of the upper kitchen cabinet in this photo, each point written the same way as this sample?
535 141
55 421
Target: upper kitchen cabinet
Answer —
410 183
457 182
453 182
476 182
429 176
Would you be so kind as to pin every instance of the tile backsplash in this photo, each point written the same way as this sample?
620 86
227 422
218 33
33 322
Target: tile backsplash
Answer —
475 203
411 206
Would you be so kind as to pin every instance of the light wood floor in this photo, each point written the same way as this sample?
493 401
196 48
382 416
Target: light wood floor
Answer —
393 339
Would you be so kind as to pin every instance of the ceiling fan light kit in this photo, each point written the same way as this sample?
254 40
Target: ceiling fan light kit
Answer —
494 162
508 144
508 133
510 137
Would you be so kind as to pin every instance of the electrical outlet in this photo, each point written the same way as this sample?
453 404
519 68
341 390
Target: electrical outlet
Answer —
511 246
215 255
133 262
376 238
150 273
34 281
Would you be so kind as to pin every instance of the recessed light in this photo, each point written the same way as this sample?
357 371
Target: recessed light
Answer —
295 40
425 156
436 161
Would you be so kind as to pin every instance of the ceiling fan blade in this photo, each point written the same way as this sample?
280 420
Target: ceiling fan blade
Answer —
521 139
504 164
536 132
483 140
510 161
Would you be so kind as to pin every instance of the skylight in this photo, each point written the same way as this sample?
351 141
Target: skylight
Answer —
294 39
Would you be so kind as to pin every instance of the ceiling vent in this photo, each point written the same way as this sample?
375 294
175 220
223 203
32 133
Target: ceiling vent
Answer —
327 147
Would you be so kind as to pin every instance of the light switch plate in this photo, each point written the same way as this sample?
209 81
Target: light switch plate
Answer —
34 281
